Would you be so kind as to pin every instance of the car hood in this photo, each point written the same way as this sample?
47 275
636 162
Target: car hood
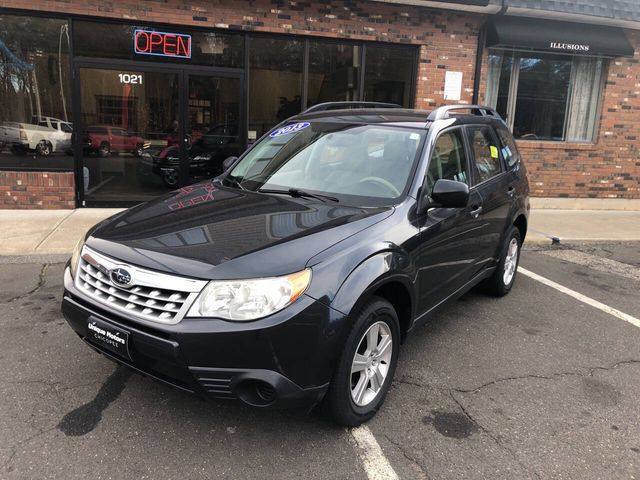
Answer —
213 232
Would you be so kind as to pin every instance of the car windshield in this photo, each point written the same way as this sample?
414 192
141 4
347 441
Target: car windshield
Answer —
367 165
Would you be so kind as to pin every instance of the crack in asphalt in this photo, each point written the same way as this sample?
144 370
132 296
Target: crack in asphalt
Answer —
57 390
14 447
496 439
40 284
56 387
590 370
493 437
408 457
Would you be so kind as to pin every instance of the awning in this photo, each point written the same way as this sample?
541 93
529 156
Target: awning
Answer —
558 37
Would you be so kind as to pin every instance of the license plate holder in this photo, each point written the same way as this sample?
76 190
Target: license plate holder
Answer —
109 337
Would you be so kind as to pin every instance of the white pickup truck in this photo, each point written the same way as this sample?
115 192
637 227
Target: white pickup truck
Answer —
45 135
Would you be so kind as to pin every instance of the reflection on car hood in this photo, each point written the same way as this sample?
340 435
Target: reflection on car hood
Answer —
209 231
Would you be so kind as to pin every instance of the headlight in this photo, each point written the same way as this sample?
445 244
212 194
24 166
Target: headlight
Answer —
244 300
75 256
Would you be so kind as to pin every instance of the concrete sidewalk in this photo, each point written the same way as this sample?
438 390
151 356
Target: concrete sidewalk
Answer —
39 232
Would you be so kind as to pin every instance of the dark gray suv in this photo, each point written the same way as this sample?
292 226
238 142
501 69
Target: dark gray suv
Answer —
293 278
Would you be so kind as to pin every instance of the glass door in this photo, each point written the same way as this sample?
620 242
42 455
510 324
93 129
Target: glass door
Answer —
145 131
129 134
214 130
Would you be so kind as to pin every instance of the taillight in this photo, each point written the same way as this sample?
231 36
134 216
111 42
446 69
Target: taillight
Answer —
23 135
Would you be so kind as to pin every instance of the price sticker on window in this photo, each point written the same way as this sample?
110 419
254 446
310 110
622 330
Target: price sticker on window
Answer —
494 151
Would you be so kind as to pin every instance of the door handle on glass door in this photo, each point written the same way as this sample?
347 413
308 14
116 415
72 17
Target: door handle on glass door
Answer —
476 211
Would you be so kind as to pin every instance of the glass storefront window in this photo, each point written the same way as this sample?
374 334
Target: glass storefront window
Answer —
35 98
546 96
333 72
110 40
388 74
275 82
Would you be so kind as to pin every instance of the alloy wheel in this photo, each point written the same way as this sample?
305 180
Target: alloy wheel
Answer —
370 364
510 261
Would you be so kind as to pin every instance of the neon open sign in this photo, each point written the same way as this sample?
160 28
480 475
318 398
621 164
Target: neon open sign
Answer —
163 44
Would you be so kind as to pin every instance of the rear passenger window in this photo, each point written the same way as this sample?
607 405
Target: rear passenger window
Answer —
509 149
448 159
485 152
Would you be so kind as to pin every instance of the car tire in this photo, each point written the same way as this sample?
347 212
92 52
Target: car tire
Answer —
44 148
500 283
104 150
352 397
170 178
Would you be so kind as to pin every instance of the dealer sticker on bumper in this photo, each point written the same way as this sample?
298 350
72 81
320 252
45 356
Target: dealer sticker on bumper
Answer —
108 336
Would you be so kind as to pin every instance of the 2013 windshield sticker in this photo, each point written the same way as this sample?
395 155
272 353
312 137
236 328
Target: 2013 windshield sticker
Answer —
296 127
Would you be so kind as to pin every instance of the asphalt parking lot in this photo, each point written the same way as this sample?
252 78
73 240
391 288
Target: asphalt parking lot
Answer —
535 385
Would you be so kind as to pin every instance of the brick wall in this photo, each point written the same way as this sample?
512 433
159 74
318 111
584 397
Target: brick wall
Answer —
447 39
36 190
607 168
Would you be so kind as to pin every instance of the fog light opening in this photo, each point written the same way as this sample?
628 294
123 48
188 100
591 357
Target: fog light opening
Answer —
256 392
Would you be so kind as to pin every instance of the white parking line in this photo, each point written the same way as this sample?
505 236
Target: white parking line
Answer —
583 298
375 464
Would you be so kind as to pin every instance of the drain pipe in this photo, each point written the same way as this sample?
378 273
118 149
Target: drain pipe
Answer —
482 38
478 70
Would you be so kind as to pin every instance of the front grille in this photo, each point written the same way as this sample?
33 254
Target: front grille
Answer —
150 295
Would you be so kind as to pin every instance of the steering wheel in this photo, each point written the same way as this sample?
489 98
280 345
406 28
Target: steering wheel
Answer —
383 182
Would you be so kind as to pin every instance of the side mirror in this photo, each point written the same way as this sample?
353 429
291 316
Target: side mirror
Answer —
446 194
450 194
228 162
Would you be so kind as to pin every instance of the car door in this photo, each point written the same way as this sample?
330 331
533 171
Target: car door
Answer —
119 141
491 182
448 247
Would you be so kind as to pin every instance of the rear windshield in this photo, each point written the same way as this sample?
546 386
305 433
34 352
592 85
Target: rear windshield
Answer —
358 164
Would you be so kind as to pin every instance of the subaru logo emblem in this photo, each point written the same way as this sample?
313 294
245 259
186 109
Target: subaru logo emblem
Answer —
121 277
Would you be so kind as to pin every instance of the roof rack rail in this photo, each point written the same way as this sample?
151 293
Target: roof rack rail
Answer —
443 112
321 107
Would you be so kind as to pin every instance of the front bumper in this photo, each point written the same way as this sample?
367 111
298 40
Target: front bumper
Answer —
282 361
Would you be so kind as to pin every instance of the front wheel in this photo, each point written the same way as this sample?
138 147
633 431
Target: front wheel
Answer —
500 283
104 150
366 366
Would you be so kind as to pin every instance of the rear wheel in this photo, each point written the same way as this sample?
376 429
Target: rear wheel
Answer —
500 283
366 366
44 148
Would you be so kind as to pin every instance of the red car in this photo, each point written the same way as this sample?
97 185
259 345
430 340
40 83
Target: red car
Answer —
104 139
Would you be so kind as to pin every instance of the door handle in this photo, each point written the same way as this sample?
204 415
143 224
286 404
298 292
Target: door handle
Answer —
476 211
511 191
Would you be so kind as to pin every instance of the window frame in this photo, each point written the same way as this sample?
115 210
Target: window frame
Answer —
514 83
465 146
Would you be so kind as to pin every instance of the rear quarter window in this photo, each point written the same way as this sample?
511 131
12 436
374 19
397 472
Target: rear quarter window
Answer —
508 147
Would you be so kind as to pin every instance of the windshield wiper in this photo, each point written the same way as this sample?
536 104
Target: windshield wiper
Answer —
296 193
234 181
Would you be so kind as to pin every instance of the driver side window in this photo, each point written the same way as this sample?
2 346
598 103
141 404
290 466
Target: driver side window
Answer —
448 159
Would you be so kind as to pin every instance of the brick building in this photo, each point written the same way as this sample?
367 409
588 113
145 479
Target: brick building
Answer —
160 92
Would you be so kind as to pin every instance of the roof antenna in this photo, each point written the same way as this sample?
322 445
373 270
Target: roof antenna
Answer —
444 101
